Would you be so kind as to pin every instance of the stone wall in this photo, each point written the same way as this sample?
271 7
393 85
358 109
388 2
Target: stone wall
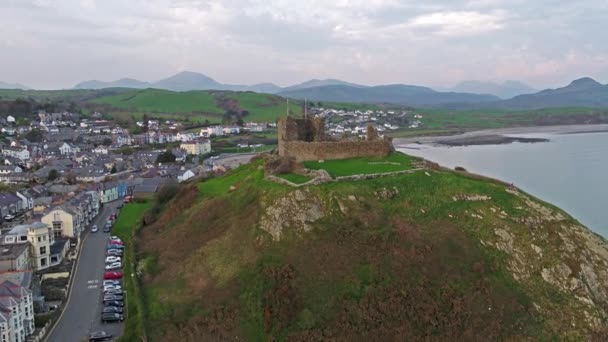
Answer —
328 150
304 139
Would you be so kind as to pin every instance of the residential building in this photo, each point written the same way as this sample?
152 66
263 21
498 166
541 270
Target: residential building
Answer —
9 203
10 169
67 149
212 131
65 222
100 150
197 147
20 153
184 175
44 250
14 257
27 201
17 309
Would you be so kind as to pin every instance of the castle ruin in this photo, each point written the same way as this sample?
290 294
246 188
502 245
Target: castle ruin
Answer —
305 139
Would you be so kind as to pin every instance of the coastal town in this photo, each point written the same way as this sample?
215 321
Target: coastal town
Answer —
65 175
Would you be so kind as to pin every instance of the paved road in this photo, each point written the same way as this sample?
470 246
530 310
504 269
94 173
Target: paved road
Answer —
83 312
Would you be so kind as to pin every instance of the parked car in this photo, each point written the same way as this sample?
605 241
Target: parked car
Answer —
111 259
114 237
94 229
111 282
112 275
9 217
114 266
114 246
118 303
99 336
114 252
112 309
112 298
112 317
111 287
116 242
113 292
106 229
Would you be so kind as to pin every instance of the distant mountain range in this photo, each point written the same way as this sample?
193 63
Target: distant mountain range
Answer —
183 81
395 94
12 86
584 92
505 90
510 95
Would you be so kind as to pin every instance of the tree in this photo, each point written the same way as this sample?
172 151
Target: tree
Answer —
126 150
34 135
113 171
240 122
166 157
107 142
53 174
145 128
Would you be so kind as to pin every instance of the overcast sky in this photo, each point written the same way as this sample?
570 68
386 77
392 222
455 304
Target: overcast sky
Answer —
546 43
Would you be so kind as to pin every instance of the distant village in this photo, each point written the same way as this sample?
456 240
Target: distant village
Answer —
354 122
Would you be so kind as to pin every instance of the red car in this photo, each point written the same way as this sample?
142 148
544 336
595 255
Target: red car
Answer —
112 275
115 242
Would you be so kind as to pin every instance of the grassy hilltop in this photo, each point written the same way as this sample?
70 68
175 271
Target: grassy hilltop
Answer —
431 255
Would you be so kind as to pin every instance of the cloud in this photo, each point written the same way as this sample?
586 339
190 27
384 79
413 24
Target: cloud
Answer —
458 23
437 42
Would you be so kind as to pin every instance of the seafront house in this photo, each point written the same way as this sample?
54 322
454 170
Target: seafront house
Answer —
16 312
44 249
64 221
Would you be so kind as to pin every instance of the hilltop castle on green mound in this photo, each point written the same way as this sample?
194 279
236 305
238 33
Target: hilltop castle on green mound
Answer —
304 139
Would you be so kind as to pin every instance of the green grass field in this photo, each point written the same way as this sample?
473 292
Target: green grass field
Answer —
163 101
263 107
346 167
125 228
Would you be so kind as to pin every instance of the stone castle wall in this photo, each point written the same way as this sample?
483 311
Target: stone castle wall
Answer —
328 150
305 139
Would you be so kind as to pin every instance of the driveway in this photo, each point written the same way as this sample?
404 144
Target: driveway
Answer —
83 311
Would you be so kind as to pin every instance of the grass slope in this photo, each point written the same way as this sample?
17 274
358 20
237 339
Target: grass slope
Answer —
125 227
390 258
364 165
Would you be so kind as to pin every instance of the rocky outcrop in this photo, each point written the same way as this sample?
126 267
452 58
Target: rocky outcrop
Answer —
295 211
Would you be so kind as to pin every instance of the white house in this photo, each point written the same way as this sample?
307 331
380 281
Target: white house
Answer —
27 202
10 119
184 175
212 131
67 149
196 147
100 150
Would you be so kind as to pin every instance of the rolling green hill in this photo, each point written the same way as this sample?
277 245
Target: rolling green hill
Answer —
163 101
430 255
75 95
261 107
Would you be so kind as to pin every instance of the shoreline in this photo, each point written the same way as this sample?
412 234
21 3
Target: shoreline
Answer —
498 136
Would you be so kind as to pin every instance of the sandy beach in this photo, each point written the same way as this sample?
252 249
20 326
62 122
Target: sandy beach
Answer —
500 136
